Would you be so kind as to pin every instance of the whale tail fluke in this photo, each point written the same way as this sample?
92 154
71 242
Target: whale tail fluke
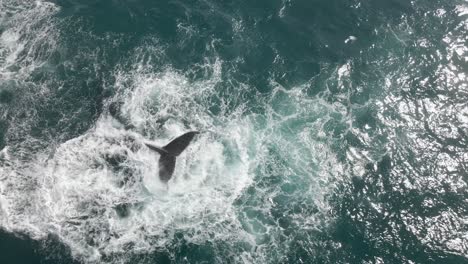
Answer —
159 150
176 146
166 167
170 152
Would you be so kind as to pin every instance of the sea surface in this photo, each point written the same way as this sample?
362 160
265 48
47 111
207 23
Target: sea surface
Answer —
332 131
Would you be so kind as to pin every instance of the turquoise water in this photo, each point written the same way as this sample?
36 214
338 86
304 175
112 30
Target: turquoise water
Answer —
332 131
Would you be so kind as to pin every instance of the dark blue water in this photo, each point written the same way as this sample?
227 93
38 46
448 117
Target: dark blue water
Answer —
332 131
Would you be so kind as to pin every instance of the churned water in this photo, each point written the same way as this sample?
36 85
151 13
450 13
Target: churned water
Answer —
332 131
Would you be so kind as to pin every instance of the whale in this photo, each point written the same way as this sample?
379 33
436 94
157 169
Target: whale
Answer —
169 152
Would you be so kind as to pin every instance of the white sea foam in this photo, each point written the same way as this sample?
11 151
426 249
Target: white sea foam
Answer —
75 192
29 32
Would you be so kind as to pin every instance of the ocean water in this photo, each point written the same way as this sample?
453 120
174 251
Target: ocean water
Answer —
332 131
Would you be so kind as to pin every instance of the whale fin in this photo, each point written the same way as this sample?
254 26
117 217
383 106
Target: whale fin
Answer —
169 153
176 146
166 167
159 150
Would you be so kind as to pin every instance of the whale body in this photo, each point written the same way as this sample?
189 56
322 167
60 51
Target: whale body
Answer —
168 153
